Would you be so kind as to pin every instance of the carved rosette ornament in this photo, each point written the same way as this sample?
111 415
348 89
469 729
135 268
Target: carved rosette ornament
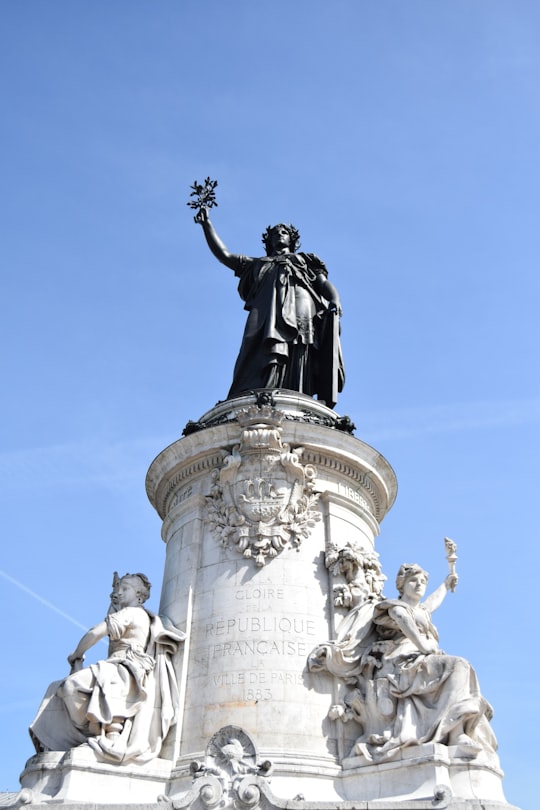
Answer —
262 498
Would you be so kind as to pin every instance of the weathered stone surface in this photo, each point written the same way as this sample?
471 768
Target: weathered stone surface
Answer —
401 689
77 776
250 627
270 512
123 707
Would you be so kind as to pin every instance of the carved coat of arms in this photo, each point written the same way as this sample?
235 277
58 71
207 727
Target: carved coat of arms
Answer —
262 498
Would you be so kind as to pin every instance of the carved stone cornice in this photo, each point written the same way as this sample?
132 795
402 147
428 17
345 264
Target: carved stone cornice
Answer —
341 459
200 465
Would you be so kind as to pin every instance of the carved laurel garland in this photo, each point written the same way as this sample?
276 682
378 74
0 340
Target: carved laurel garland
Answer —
262 498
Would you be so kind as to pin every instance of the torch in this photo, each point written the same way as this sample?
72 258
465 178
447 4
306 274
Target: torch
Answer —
451 558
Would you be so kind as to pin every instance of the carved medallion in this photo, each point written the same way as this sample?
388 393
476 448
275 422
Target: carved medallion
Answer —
230 775
262 498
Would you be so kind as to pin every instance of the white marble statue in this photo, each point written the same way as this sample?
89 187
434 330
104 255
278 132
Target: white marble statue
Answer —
121 707
406 690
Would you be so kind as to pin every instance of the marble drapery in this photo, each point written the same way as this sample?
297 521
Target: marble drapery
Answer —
134 689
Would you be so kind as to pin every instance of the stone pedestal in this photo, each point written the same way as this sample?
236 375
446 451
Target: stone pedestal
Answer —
422 771
254 499
250 503
60 777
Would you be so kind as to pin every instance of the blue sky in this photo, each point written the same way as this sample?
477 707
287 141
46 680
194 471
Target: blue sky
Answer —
401 138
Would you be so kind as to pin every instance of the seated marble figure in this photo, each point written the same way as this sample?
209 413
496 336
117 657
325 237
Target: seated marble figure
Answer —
124 706
403 689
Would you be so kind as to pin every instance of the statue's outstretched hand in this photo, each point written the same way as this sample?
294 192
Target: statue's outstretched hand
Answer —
451 581
201 217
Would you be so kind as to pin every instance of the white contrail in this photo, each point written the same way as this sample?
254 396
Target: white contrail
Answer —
42 600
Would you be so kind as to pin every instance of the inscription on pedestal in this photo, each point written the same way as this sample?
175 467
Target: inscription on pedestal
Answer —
237 646
353 494
259 593
181 496
257 684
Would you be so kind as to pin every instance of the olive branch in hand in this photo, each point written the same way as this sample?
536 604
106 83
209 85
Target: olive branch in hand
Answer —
205 195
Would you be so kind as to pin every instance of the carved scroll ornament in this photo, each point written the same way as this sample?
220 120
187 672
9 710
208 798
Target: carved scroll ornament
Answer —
230 775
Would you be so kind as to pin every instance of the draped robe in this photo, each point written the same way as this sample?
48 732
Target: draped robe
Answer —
136 685
291 338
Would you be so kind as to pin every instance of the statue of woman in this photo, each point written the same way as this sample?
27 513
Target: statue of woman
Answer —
291 338
123 706
405 689
423 694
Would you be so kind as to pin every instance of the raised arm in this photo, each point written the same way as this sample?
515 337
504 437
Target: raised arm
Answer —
214 242
435 599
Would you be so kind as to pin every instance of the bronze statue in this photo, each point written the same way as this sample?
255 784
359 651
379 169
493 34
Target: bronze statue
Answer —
291 339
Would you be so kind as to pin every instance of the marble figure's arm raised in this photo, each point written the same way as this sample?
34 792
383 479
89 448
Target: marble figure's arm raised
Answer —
214 242
435 599
90 638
